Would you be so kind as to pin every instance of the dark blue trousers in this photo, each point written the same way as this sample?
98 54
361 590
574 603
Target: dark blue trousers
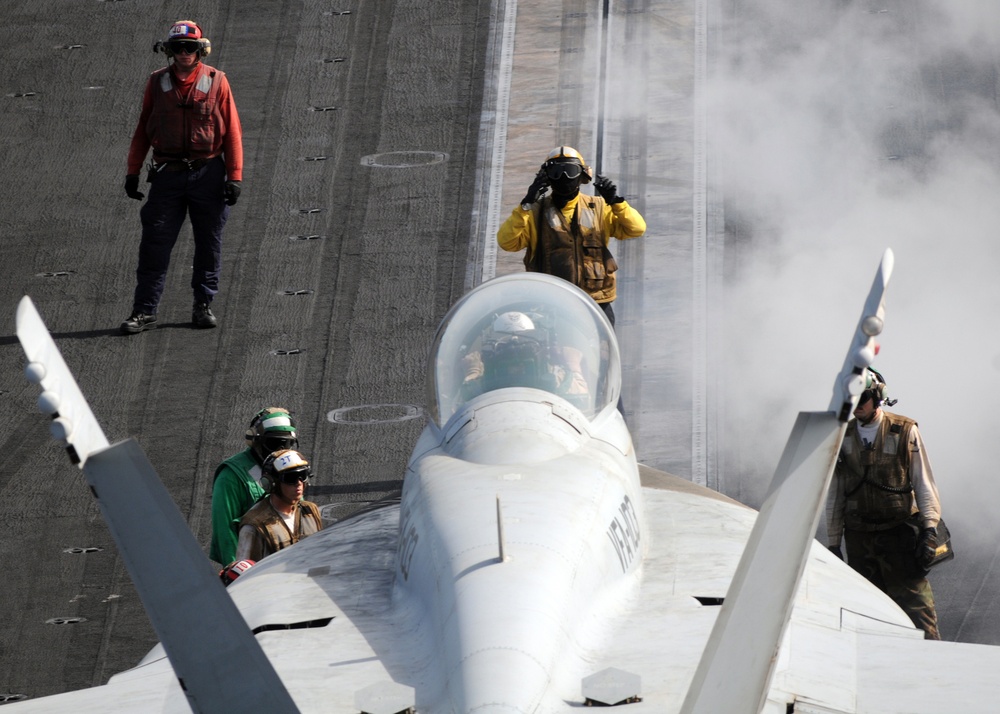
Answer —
173 195
609 311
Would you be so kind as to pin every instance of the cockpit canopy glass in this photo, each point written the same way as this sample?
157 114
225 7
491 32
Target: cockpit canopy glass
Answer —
524 330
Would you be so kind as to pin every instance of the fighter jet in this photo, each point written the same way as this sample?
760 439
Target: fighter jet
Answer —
530 564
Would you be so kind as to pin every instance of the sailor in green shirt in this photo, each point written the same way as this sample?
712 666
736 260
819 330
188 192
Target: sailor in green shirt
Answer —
237 479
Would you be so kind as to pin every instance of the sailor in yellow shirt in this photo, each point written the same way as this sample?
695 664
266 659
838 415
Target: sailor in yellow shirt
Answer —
566 233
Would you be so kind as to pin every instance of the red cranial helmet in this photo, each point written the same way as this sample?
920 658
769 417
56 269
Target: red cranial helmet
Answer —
184 30
185 35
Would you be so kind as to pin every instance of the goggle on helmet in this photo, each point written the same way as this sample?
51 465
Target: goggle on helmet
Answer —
184 36
272 429
286 466
565 161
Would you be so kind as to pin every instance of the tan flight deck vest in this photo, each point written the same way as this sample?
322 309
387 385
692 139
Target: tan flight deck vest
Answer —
272 529
878 491
575 251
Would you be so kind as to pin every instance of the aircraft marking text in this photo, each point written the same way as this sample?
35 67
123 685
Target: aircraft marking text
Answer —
623 532
408 538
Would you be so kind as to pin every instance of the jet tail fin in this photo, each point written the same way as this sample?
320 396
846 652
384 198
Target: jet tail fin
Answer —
735 670
219 664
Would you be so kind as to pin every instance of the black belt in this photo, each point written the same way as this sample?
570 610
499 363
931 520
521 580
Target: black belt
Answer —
182 164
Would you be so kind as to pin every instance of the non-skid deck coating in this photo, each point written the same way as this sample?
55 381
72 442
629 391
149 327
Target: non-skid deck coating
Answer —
364 158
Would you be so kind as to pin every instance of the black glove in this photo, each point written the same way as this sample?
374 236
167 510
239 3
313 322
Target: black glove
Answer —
537 188
608 191
926 547
132 187
232 192
835 549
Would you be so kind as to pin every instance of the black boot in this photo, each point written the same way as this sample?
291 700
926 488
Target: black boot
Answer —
202 317
137 322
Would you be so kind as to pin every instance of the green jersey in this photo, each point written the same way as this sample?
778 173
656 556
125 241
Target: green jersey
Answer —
237 487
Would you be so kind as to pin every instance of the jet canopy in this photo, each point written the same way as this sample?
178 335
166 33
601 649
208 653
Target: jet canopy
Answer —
526 330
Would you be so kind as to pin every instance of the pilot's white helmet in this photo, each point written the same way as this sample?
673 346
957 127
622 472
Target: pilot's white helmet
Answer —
513 323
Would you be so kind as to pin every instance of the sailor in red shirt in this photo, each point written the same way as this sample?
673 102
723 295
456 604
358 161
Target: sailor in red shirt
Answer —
189 120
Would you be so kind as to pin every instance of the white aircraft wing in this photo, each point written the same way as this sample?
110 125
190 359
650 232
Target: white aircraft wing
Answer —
218 664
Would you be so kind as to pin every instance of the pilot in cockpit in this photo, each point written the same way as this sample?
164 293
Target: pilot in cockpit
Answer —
516 352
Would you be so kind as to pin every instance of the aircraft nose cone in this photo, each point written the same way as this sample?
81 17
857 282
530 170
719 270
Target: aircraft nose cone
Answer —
502 680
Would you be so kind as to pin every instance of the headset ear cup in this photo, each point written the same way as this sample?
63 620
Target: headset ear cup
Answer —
206 47
266 481
587 175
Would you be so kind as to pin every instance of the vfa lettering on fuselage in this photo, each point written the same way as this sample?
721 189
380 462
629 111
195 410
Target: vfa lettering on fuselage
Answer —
408 538
623 532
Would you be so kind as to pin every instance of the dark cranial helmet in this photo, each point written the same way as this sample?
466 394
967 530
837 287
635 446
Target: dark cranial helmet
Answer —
286 466
271 429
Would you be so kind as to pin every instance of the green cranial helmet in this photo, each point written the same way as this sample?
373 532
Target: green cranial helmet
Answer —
272 429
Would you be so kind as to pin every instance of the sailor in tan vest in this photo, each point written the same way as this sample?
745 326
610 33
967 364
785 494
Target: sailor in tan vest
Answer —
282 517
884 503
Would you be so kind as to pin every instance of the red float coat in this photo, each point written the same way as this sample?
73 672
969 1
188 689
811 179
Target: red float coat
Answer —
190 118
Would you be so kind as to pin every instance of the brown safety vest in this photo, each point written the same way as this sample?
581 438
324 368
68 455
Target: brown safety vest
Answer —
878 491
273 534
576 250
184 127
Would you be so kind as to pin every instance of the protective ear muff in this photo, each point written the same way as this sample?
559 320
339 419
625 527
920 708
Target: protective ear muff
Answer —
587 176
251 431
206 47
266 482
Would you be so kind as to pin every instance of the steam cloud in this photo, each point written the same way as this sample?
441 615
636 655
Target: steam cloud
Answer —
846 128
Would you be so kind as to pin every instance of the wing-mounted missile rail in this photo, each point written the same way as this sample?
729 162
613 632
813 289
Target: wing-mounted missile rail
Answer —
217 661
850 382
73 423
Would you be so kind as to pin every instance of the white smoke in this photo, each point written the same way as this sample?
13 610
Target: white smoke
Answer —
844 131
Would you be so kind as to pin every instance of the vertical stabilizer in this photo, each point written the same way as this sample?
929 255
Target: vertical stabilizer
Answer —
738 662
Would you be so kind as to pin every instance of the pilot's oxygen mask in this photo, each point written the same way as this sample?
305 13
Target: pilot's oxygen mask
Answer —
515 361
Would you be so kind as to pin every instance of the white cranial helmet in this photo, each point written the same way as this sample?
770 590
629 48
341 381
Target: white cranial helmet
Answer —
513 323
